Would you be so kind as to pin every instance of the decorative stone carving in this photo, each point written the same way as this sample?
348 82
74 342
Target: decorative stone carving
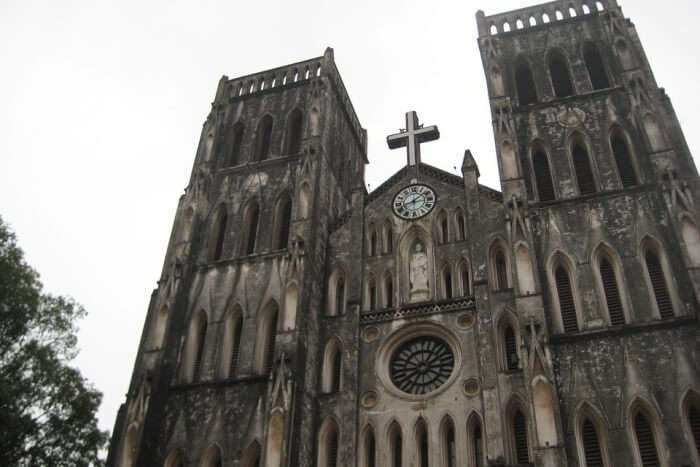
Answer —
571 117
418 274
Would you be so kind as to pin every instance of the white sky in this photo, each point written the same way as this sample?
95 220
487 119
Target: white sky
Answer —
103 103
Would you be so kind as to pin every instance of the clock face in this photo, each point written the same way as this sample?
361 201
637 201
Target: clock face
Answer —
414 201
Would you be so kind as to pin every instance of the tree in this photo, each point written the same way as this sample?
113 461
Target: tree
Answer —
47 409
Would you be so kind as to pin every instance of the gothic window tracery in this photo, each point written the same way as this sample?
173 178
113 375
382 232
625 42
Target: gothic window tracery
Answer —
421 365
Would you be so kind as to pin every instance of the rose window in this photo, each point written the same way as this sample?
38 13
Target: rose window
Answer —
421 365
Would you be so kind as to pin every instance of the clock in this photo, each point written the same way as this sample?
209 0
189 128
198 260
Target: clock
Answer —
414 201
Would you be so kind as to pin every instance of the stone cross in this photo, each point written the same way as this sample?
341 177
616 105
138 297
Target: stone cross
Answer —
412 137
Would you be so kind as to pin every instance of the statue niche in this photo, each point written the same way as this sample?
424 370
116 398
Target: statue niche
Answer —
415 266
418 281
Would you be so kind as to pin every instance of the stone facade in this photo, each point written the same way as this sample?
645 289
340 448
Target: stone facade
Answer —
560 325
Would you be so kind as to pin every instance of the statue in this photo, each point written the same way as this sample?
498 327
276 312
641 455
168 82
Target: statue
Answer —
418 274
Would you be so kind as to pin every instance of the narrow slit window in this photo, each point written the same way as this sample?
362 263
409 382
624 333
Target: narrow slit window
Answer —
264 135
591 445
236 347
595 67
645 441
522 455
658 285
567 307
525 84
201 337
511 349
612 293
337 369
623 159
561 79
582 168
543 176
270 347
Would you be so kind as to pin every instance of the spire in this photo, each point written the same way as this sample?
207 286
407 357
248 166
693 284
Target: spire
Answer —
468 163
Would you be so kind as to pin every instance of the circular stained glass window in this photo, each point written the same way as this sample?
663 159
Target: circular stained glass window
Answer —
421 365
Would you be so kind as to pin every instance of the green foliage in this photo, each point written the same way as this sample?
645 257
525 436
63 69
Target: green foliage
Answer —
47 409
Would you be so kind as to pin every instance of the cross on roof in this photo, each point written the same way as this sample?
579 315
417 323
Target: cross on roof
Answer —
412 137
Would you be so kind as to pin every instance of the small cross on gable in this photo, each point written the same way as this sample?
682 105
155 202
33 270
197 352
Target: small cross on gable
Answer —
412 137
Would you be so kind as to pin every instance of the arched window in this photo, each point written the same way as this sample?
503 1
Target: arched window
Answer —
464 278
388 291
251 455
231 342
212 457
235 143
475 442
268 337
283 219
520 452
395 445
449 448
216 245
658 284
195 346
328 444
559 73
646 440
565 295
263 135
543 175
250 222
447 281
369 453
525 84
591 444
292 139
595 67
332 367
339 294
443 230
372 237
388 238
499 267
611 290
461 226
510 348
371 291
623 159
691 420
582 167
422 443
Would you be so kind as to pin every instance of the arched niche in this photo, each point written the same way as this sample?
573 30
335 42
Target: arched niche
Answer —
497 81
510 165
655 135
407 246
691 238
291 300
159 327
275 435
523 267
304 201
544 413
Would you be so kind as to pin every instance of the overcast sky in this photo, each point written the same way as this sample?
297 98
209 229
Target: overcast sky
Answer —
103 103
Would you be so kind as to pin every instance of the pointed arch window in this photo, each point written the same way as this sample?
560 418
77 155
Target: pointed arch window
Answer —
251 455
543 176
693 421
218 234
371 294
294 132
623 159
395 445
443 227
283 221
329 443
595 67
511 348
582 168
591 444
370 448
236 142
332 367
475 442
232 342
422 443
195 348
499 268
264 135
461 226
646 442
464 278
559 73
525 84
388 238
567 306
658 284
250 222
270 336
340 295
612 292
372 241
522 455
448 443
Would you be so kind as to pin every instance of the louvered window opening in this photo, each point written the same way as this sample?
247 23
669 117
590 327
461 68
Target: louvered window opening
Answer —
337 366
645 441
236 347
450 446
501 275
584 173
220 234
623 161
200 350
525 85
511 349
612 293
658 284
520 431
478 447
694 421
591 445
543 177
333 449
566 300
596 69
252 230
270 350
561 79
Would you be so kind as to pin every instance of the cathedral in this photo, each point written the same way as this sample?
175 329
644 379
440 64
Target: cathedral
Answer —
301 320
